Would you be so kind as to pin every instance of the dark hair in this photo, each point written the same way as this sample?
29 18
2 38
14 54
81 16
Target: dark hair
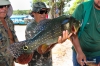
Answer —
31 14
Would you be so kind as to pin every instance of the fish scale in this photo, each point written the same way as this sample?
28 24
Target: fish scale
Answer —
47 32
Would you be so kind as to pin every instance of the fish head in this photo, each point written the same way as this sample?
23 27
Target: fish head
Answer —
71 24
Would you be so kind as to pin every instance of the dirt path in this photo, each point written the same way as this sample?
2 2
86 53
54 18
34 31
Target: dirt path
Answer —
62 54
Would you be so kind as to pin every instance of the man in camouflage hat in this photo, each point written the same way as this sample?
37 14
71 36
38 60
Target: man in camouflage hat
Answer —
7 33
39 13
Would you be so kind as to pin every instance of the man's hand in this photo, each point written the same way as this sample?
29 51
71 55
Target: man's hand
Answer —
99 64
65 36
81 58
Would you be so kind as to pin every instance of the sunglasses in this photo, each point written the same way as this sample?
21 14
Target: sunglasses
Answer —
1 6
43 11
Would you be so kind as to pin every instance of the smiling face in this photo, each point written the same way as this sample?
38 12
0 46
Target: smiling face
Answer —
41 15
97 4
3 10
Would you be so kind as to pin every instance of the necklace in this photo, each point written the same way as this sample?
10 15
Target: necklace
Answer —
98 23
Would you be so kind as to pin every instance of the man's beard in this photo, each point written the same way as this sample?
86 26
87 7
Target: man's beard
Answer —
96 5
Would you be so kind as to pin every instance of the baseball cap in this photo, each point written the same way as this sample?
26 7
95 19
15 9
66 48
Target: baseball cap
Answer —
38 6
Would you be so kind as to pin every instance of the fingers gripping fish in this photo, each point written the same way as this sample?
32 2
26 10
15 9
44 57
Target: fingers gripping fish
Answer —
47 33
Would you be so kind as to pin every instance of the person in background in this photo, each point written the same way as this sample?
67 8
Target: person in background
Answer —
87 43
7 33
57 12
39 12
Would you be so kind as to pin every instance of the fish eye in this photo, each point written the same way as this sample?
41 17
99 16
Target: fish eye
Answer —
25 47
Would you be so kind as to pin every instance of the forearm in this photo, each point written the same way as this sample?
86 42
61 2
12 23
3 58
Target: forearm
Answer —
76 44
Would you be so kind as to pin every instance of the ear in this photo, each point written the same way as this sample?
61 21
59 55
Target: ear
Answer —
33 13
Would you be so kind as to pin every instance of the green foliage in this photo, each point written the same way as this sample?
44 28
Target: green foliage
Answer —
85 0
34 1
75 4
21 12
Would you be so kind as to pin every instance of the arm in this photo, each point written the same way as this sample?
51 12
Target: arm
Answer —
78 14
80 55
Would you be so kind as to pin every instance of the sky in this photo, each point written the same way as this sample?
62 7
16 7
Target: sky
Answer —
21 4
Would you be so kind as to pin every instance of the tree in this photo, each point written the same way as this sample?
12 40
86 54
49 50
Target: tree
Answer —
52 4
57 5
34 1
60 4
75 4
21 12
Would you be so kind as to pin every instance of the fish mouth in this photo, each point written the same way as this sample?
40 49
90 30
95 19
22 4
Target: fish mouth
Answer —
74 29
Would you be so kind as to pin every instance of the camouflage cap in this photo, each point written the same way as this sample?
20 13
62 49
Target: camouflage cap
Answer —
4 2
38 6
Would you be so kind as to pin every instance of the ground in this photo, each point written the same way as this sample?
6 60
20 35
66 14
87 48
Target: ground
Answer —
61 53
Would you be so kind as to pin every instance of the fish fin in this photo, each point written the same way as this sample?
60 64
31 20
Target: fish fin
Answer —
50 47
42 48
24 58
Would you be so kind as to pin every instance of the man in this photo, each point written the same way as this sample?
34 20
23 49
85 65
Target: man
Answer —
57 11
7 33
39 13
87 44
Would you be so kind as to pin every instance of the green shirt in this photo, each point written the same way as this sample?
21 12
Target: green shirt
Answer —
90 37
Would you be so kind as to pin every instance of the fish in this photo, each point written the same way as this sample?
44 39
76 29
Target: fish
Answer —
46 36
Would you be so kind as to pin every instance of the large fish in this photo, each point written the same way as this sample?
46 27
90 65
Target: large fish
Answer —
46 36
